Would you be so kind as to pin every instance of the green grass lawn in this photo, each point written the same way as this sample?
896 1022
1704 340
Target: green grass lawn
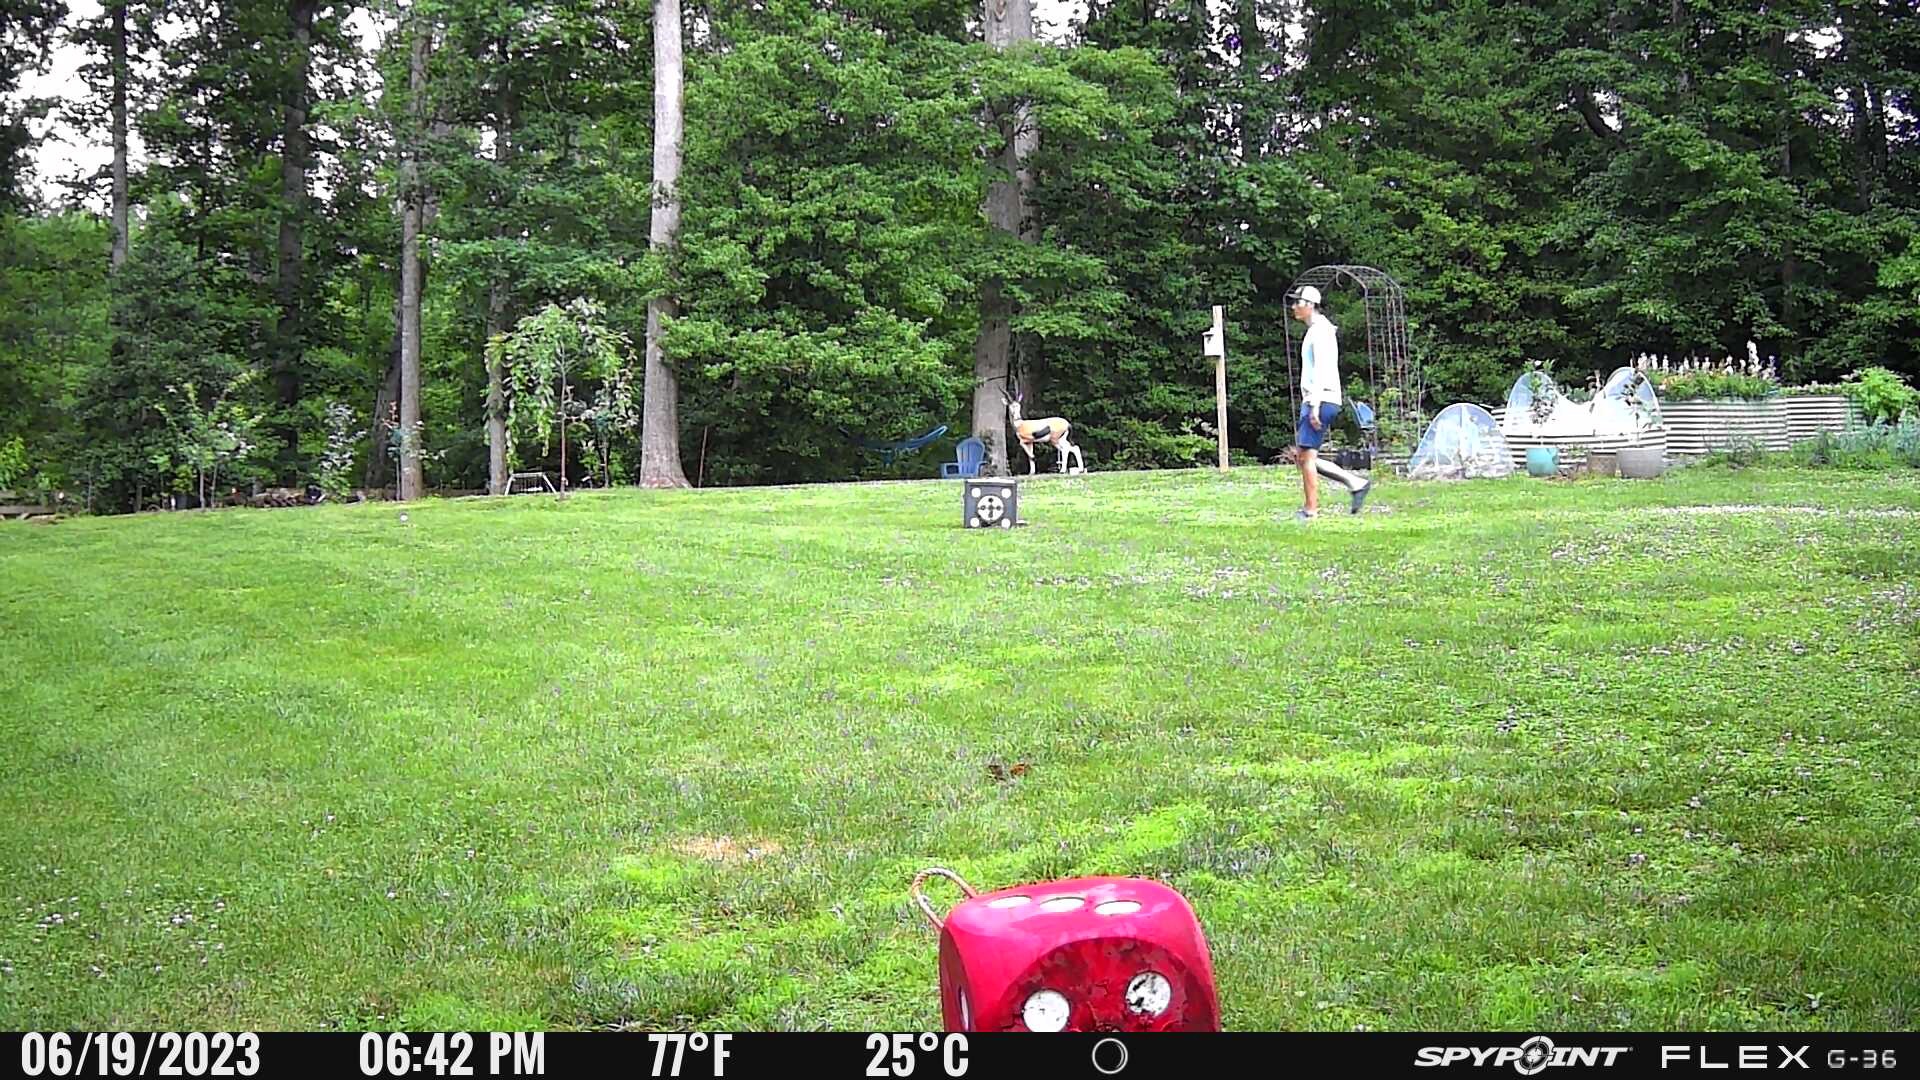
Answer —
1503 754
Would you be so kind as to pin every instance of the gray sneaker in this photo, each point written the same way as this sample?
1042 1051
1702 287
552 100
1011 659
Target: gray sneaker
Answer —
1302 515
1360 495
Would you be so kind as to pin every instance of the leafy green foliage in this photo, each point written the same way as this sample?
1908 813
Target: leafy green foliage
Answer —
832 211
334 472
546 357
1713 386
182 325
1453 158
1738 453
53 333
1569 183
27 35
222 434
1817 390
1877 446
1883 396
13 461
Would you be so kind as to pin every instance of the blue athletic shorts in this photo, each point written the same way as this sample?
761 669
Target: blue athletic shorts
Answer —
1309 439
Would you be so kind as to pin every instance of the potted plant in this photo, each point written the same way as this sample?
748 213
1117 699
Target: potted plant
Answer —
1542 395
1643 459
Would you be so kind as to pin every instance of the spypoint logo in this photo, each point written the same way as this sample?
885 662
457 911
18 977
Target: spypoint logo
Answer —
1530 1058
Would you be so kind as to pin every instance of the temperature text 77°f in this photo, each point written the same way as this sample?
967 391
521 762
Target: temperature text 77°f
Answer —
698 1042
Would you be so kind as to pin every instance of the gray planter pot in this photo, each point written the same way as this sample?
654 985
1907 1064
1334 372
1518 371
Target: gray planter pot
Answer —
1642 462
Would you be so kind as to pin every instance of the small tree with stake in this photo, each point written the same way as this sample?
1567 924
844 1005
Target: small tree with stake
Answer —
545 355
209 437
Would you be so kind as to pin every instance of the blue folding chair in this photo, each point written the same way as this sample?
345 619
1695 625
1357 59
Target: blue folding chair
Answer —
1369 424
972 453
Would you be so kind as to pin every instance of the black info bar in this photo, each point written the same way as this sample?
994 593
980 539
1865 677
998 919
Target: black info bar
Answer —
481 1054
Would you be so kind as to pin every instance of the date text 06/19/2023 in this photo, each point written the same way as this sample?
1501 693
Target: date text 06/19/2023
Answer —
126 1053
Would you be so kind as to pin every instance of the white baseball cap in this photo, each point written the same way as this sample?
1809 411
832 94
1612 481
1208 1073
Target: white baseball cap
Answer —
1305 294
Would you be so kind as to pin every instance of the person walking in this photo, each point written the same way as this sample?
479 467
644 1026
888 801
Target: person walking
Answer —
1319 404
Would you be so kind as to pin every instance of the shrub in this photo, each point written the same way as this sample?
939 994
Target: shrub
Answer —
1879 446
208 439
1883 396
1147 445
1696 379
1714 386
13 461
1737 454
336 465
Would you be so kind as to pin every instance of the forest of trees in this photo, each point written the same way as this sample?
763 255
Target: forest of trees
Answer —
784 229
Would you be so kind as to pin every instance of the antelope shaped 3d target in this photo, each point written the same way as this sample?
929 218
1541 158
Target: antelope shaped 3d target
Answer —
990 504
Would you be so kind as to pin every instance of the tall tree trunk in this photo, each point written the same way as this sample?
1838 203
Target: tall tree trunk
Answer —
496 312
386 402
1879 132
1859 125
295 152
496 394
1256 123
1682 31
412 481
660 407
990 350
1789 262
1789 265
1008 22
119 135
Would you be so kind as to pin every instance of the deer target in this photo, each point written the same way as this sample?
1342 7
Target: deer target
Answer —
1052 430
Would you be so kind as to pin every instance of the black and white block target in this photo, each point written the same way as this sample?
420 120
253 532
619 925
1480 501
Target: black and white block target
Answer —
990 504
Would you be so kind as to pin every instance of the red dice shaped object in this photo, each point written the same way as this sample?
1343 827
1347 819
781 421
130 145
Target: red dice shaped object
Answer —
1090 954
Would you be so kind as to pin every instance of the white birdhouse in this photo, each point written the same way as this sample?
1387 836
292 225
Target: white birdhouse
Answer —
1214 341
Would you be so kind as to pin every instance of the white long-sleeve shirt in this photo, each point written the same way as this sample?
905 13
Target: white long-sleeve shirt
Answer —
1320 362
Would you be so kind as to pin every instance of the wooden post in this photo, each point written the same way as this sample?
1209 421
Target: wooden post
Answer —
1214 344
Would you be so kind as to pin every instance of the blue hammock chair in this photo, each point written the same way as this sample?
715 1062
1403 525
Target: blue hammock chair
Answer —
888 451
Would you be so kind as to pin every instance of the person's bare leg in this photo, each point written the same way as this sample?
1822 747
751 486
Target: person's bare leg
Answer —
1310 477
